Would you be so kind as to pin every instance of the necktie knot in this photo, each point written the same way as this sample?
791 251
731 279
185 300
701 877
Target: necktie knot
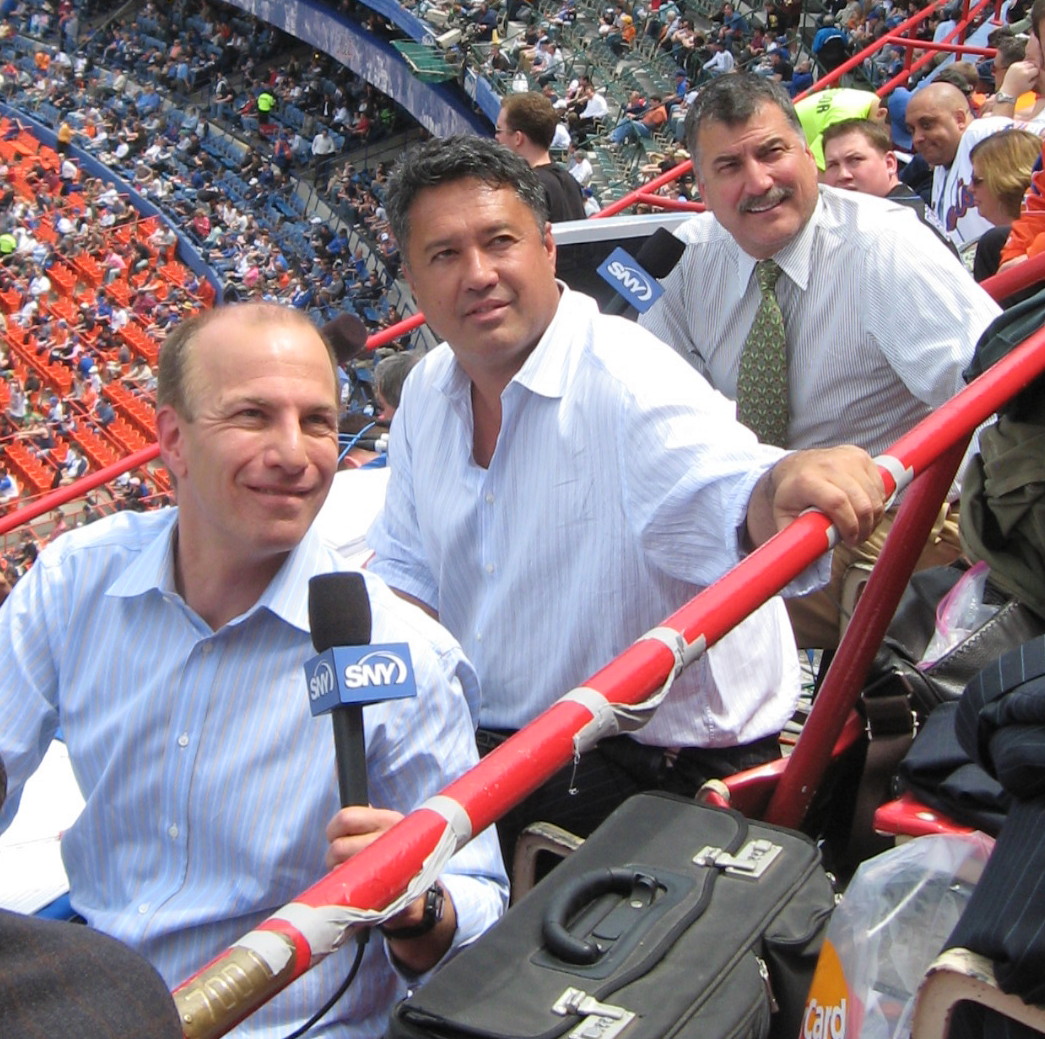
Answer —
767 272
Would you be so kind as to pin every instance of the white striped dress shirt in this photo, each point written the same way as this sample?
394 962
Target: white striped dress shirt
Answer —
881 318
615 492
208 783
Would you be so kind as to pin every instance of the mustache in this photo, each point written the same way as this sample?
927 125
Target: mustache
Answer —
774 196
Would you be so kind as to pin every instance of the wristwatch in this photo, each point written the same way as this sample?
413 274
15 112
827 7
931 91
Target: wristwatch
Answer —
434 900
1001 98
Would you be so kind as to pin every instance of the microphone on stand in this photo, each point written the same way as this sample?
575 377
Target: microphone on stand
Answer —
349 672
636 279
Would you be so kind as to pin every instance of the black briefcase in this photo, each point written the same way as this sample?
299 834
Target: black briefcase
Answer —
672 919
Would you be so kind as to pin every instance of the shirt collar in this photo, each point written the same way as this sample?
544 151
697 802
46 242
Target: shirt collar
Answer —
545 371
153 571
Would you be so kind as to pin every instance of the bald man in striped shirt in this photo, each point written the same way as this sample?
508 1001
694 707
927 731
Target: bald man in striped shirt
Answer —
880 319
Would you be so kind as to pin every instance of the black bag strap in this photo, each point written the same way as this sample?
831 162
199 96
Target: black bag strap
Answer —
890 724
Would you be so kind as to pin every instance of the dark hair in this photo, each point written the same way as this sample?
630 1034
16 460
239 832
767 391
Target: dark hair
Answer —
735 99
447 159
531 114
874 133
390 373
1010 49
958 77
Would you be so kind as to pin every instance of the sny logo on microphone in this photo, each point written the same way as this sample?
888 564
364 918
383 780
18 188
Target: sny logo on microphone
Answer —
359 674
636 285
377 668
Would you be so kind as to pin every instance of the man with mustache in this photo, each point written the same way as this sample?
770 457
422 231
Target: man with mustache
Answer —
878 318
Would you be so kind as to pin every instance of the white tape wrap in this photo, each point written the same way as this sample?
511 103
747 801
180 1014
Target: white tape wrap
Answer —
456 817
604 721
685 652
902 475
270 947
323 927
832 530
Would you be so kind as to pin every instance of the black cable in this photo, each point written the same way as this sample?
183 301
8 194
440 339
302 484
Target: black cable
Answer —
361 940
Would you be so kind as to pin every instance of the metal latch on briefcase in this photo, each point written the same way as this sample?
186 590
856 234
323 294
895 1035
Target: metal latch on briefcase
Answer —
601 1020
751 861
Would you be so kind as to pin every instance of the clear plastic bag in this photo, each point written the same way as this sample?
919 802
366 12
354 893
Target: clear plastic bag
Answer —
960 612
893 921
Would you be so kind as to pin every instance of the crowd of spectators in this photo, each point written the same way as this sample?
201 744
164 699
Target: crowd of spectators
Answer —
71 280
234 197
125 96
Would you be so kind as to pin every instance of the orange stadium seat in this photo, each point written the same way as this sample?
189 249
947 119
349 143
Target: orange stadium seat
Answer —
10 301
45 231
62 278
175 273
89 269
120 291
99 452
34 475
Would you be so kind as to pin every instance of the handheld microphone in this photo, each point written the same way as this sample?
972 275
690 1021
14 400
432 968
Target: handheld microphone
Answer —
637 280
350 673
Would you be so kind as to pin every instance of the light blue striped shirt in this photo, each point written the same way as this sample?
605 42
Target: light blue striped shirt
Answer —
618 484
208 783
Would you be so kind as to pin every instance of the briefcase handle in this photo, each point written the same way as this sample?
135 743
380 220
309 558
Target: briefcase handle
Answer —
582 891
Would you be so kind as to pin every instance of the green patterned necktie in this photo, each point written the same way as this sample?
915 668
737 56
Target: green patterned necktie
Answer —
762 403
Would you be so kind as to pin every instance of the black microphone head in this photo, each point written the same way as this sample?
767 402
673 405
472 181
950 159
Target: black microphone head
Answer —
339 610
660 253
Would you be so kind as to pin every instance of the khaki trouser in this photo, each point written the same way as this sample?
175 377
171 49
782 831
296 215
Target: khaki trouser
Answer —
820 618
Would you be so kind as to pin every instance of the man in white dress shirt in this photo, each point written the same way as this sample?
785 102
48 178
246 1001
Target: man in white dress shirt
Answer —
880 318
562 481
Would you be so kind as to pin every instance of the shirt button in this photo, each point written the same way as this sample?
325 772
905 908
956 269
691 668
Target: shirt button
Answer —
143 908
172 831
206 648
489 568
478 636
183 740
489 498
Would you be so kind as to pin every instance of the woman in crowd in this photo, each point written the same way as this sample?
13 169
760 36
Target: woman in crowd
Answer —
1001 172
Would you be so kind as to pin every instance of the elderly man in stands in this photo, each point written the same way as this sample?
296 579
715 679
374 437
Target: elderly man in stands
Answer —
944 132
589 109
869 320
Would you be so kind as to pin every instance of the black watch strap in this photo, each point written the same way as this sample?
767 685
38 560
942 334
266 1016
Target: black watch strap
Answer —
434 899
